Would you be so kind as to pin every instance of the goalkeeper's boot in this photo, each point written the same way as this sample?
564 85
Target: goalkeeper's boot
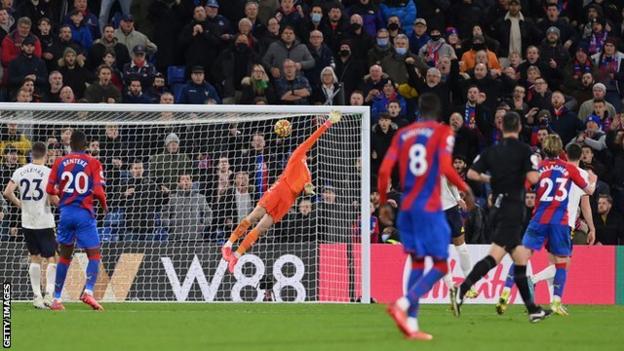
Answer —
232 263
38 303
90 300
57 306
503 301
47 300
400 318
539 315
226 253
558 308
418 335
472 293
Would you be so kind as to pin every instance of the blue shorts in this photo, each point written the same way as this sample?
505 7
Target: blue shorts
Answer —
557 237
77 225
424 233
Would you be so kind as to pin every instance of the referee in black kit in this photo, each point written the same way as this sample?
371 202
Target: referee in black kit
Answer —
509 164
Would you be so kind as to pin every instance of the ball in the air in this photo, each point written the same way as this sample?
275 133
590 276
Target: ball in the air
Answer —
282 128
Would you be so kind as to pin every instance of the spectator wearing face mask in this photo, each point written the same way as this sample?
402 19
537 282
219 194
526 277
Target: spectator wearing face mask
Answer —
435 48
381 48
404 10
394 64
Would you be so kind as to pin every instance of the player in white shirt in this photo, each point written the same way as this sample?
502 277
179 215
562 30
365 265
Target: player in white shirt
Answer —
451 204
37 221
577 196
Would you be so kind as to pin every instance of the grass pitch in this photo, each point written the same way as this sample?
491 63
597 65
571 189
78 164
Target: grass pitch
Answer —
252 327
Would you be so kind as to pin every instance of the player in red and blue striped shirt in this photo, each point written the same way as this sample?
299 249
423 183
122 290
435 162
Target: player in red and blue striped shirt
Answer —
423 151
77 179
550 220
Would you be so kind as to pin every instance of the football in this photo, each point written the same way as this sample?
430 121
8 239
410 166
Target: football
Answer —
282 128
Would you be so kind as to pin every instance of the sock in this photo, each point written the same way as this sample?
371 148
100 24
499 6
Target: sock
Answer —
61 273
560 279
509 282
50 274
92 272
425 283
547 273
34 270
412 323
240 230
523 286
478 271
248 242
448 280
464 258
418 267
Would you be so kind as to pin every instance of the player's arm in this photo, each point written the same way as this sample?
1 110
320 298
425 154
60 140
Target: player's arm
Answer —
478 169
589 219
98 183
334 117
385 170
577 178
9 194
446 161
52 187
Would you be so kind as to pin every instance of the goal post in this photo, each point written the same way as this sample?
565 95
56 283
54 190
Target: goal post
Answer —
179 179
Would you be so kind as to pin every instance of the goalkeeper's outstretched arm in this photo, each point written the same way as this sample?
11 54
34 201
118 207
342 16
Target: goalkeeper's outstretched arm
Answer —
301 150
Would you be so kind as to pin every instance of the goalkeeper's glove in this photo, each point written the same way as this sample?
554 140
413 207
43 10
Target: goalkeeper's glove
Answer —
334 117
308 189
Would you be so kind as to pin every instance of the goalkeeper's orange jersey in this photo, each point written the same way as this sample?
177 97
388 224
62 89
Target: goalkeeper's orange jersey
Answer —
297 174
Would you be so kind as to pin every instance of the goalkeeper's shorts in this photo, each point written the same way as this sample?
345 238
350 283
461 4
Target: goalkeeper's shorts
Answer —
278 200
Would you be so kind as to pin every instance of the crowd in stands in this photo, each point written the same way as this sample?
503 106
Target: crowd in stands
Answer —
556 62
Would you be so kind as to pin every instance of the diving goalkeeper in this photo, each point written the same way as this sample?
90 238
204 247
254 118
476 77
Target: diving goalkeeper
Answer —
276 202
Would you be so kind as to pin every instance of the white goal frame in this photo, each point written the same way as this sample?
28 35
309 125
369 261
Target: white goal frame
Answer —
364 111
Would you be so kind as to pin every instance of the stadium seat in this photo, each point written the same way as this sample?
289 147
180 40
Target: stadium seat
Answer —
176 75
176 89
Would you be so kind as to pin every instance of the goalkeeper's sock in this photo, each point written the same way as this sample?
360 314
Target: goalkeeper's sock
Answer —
248 242
240 230
50 274
425 283
35 278
418 268
92 273
509 282
560 279
61 274
464 258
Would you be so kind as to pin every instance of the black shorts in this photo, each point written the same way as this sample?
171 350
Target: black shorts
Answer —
40 241
507 224
454 219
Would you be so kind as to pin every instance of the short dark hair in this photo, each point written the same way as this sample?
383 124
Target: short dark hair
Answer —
384 115
574 152
511 122
429 106
606 197
78 141
39 150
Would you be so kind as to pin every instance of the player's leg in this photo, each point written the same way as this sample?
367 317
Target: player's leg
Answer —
258 212
547 274
88 238
481 268
250 239
48 245
66 251
50 274
34 272
560 246
503 300
464 259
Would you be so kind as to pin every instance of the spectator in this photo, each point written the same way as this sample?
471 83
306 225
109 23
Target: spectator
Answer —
257 25
599 92
335 26
357 98
552 51
330 91
245 27
371 16
539 94
12 42
593 136
404 10
103 90
12 139
135 95
140 67
8 166
466 139
271 36
66 95
381 138
564 121
141 200
300 226
380 102
433 82
468 59
107 43
166 168
566 31
466 14
609 224
187 215
116 78
199 40
197 90
435 48
35 10
288 15
590 162
381 48
66 41
232 65
576 68
598 36
360 41
394 65
396 113
610 64
292 88
128 36
158 88
7 23
28 65
515 31
452 38
90 20
55 80
373 83
75 74
80 33
105 8
257 85
48 42
323 57
419 37
242 195
287 48
349 68
222 24
475 115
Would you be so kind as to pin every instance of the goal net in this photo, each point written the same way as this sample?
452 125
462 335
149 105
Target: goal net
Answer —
180 178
